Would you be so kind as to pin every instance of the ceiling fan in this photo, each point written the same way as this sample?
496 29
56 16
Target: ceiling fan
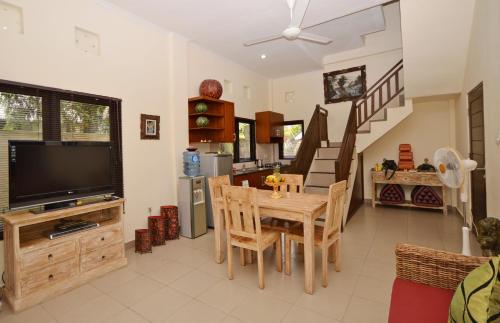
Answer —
293 31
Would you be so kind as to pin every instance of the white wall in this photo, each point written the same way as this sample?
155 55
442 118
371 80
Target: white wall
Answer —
435 38
429 127
132 66
308 89
483 65
381 51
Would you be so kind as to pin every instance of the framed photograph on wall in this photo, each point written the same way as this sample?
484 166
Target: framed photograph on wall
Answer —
150 126
344 85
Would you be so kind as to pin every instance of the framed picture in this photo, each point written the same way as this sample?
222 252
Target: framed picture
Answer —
344 85
150 126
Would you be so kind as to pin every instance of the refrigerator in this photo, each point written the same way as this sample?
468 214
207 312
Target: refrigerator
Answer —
211 165
191 204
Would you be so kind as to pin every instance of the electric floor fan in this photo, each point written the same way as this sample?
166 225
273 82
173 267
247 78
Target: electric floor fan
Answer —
453 172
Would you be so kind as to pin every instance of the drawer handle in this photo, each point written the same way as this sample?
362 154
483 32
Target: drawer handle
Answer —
51 277
103 257
50 256
102 238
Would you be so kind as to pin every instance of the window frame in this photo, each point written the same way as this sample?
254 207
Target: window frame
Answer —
281 144
236 149
51 118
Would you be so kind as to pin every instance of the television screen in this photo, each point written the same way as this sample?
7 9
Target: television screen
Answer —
42 172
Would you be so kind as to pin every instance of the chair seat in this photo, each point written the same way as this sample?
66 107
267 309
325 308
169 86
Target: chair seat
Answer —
297 233
269 236
279 225
416 303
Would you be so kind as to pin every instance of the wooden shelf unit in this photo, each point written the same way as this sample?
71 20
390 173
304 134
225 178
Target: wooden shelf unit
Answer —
37 268
221 121
409 178
269 127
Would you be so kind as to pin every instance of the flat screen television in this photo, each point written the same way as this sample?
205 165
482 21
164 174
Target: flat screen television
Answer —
44 172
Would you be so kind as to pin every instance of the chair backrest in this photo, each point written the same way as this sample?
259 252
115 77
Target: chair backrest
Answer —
335 208
215 187
293 183
242 218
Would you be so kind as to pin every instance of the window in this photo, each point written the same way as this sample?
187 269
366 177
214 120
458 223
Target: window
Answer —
84 121
20 119
293 133
29 112
244 146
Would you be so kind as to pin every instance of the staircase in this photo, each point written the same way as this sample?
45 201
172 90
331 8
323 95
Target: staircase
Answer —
381 108
323 163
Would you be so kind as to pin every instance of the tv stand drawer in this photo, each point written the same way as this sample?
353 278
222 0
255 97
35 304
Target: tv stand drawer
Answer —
101 257
45 278
104 237
35 260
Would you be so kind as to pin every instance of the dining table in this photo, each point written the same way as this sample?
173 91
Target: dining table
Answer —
301 207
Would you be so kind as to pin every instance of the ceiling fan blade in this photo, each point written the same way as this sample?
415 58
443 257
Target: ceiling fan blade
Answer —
299 11
314 38
262 40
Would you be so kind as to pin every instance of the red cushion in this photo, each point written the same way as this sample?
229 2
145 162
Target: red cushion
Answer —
417 303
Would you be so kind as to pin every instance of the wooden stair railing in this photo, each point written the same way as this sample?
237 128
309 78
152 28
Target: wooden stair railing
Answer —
317 131
343 163
380 94
388 87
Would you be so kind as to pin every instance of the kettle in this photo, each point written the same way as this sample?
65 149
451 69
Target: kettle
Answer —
259 163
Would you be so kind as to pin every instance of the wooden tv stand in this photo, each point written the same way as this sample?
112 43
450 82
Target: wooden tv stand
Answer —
37 268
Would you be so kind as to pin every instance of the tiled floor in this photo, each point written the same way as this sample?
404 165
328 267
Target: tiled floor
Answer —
180 282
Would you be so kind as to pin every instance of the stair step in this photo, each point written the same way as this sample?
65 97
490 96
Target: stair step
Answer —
320 165
328 152
315 172
316 190
335 144
322 179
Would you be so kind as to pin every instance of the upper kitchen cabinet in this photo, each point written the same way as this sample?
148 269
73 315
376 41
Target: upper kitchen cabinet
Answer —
269 127
210 120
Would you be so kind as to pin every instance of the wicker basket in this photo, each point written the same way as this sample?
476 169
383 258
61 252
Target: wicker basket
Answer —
156 225
434 267
171 215
142 241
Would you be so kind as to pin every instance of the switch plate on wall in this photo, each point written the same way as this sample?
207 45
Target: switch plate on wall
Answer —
87 41
11 18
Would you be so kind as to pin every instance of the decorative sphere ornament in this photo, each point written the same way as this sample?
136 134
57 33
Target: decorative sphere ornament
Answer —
202 122
211 88
201 107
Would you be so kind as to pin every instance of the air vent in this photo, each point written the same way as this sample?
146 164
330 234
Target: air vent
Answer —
87 41
11 18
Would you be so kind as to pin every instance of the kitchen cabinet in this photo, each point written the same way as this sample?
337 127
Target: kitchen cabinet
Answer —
255 179
220 115
269 127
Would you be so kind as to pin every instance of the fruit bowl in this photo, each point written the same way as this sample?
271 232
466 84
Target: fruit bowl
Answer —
275 181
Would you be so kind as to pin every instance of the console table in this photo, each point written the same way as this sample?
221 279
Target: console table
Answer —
409 178
37 268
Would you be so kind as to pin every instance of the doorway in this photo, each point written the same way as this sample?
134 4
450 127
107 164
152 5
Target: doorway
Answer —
477 152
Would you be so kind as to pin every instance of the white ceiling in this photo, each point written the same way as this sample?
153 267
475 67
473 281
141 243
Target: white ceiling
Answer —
224 25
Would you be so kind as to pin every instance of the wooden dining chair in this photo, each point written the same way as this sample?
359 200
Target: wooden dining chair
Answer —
243 228
215 188
326 237
293 183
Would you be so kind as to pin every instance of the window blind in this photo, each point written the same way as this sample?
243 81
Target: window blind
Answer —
84 121
20 119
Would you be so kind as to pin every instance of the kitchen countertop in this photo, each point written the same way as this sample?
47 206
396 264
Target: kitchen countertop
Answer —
250 170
